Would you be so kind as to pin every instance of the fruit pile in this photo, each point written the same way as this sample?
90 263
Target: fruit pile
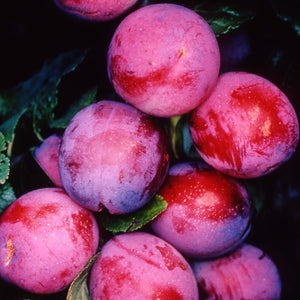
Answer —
130 213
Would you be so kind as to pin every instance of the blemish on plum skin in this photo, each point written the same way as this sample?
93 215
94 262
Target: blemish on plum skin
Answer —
171 261
10 251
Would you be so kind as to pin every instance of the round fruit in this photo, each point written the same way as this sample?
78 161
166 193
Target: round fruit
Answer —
46 156
113 155
141 266
208 213
246 128
164 59
95 10
45 240
246 273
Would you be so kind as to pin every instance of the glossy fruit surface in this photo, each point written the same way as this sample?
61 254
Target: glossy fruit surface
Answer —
45 241
164 59
113 155
247 127
246 273
208 212
140 266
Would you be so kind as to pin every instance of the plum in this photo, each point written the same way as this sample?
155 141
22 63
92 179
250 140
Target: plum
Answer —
246 128
113 155
208 212
139 266
46 156
246 273
45 240
95 10
164 59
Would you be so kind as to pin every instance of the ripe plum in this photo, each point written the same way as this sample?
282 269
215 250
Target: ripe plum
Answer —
45 240
208 212
139 266
47 157
246 128
246 273
164 59
113 155
95 10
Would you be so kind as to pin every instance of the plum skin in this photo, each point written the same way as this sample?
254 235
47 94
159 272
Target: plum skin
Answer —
208 213
246 273
164 59
95 10
247 127
140 265
46 156
45 240
113 155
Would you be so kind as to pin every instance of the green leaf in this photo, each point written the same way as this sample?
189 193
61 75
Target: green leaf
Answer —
38 95
78 289
4 160
88 98
182 143
223 17
136 220
7 196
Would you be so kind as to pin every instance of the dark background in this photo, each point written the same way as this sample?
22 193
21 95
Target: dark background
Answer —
32 31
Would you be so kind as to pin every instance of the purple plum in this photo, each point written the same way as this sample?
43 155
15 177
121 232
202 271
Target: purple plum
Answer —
164 59
46 156
208 212
246 273
113 155
45 240
139 266
95 10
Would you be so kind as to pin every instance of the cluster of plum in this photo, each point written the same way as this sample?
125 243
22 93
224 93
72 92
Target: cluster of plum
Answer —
164 61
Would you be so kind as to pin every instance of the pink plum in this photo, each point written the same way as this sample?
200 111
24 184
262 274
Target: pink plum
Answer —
164 59
246 128
246 273
45 240
141 266
208 212
113 155
47 157
95 10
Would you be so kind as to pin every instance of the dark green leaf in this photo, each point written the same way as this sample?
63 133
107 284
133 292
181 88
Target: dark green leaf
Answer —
182 143
4 160
7 196
86 99
8 127
78 289
38 94
223 17
136 220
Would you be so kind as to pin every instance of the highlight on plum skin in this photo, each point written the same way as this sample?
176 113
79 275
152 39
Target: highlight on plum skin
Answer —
95 10
46 156
208 213
246 273
164 59
247 127
113 155
138 266
45 241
